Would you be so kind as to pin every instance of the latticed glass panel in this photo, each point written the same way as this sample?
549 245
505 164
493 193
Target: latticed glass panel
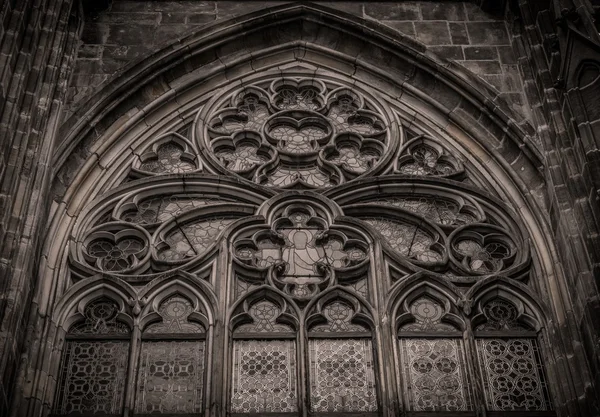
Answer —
169 159
501 315
341 375
409 240
170 377
264 376
513 376
100 318
192 239
93 377
434 374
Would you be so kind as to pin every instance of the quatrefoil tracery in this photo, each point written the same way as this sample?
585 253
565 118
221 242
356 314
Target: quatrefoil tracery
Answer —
301 252
425 156
292 126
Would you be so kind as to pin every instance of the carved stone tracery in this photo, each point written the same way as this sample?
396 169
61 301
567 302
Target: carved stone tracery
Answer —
309 196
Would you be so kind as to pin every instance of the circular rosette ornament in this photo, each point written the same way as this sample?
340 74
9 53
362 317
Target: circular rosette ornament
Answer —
302 94
298 132
243 152
116 247
424 156
247 110
483 249
169 154
353 154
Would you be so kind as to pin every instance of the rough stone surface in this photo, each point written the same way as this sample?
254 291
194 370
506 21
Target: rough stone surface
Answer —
542 58
130 30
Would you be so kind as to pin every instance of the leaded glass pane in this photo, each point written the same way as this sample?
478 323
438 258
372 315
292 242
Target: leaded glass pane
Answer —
264 314
341 375
170 377
338 316
501 315
93 377
434 374
169 159
175 312
409 240
428 317
192 239
100 318
513 378
264 376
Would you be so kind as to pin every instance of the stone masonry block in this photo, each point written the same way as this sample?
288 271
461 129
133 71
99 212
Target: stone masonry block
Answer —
433 33
488 33
393 11
458 33
138 34
442 11
405 27
478 53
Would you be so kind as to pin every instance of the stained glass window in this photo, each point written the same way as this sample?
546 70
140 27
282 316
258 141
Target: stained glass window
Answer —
93 372
513 377
433 368
511 366
342 376
171 372
171 377
264 376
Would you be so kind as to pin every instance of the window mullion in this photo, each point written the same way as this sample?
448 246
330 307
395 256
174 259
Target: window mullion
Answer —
134 363
302 374
474 370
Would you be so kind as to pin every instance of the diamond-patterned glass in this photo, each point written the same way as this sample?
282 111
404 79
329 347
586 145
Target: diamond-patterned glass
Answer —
341 375
170 378
434 374
513 377
93 378
264 376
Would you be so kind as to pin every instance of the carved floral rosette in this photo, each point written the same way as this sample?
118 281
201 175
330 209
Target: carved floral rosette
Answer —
296 133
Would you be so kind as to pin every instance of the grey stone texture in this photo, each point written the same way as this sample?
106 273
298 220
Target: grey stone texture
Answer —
542 58
130 30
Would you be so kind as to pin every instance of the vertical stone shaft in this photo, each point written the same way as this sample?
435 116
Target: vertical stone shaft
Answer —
37 45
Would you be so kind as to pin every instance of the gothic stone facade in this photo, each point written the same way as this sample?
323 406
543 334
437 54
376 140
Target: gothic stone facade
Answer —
299 209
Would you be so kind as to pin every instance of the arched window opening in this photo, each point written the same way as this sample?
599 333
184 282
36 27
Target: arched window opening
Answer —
170 375
95 363
432 356
510 359
342 368
264 375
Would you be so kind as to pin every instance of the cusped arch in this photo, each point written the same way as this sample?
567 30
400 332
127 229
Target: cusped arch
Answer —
531 311
239 312
186 285
72 304
419 285
362 312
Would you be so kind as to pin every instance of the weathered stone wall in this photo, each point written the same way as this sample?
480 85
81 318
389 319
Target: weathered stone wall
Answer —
523 56
38 40
458 31
556 40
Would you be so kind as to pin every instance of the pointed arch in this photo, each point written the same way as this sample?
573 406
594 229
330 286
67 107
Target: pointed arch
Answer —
362 313
509 289
71 306
199 292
